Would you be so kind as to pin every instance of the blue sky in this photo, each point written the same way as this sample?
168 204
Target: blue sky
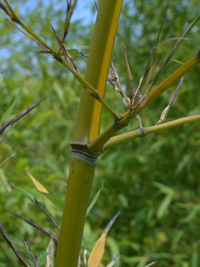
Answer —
83 12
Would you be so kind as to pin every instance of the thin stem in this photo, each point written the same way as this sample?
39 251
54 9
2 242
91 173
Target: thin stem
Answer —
173 51
162 87
91 90
149 130
96 145
83 81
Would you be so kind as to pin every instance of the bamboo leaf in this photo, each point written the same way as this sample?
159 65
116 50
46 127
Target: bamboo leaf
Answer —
164 205
4 180
38 185
24 192
41 258
11 108
1 79
55 201
164 188
98 250
193 213
49 257
94 200
40 117
74 52
195 260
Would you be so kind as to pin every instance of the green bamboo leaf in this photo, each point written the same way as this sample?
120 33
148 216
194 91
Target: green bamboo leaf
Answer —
164 188
40 117
1 79
195 259
60 93
190 217
164 205
183 163
56 201
42 257
9 111
25 193
94 200
73 52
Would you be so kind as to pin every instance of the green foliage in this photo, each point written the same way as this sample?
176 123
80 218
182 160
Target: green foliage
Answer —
153 181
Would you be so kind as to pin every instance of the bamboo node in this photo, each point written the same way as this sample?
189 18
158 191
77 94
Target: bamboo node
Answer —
84 156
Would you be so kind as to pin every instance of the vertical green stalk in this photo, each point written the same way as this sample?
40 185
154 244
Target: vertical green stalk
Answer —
76 202
87 128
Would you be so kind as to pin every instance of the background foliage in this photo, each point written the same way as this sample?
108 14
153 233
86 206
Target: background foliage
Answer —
153 181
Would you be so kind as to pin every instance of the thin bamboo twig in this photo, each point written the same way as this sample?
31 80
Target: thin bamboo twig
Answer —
70 9
162 87
5 134
13 247
18 116
96 145
152 263
149 130
31 255
83 82
35 226
171 53
47 214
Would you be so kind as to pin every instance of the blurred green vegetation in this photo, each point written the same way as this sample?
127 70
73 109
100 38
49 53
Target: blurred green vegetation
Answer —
153 181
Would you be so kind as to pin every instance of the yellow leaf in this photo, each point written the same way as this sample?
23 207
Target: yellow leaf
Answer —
97 251
38 185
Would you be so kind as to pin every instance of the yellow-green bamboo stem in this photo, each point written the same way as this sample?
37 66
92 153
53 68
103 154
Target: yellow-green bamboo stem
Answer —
149 130
97 69
87 127
89 88
78 191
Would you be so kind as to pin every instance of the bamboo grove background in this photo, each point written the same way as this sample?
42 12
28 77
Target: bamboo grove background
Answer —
153 181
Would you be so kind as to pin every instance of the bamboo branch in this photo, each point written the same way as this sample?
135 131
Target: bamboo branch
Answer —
166 61
13 247
162 87
70 9
96 145
31 255
48 49
47 214
35 226
149 130
18 116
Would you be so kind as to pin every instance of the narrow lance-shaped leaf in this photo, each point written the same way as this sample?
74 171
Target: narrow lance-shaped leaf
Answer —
98 250
18 116
11 108
55 201
94 200
38 185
